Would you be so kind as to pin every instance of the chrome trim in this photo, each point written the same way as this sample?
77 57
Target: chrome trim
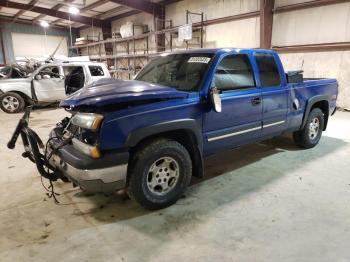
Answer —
107 175
245 131
274 124
234 134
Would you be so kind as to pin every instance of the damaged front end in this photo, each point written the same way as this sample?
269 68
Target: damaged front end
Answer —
76 149
35 150
71 153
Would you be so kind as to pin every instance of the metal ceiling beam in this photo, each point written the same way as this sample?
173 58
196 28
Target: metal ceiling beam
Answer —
93 5
141 5
113 12
55 13
130 13
21 12
86 8
56 7
169 2
29 22
305 5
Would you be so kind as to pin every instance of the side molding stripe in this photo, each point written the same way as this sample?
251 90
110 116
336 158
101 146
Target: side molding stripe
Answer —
245 131
274 124
234 134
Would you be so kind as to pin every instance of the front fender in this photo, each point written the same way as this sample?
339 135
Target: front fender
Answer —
20 86
180 124
194 145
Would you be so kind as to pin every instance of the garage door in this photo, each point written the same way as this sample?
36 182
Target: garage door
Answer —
36 46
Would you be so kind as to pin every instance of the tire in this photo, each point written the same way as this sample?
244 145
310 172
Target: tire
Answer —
310 135
160 159
12 103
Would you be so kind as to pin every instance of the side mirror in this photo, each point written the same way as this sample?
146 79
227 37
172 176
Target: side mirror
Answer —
215 99
38 77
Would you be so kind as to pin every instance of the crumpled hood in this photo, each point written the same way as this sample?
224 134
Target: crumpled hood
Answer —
107 92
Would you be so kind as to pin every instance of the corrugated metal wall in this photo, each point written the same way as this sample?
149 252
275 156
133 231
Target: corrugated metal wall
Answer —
318 25
8 28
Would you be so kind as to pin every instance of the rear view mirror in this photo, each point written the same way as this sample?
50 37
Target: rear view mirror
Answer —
295 77
215 99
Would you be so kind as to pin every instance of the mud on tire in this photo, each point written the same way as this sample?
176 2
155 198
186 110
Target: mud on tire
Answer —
159 174
310 135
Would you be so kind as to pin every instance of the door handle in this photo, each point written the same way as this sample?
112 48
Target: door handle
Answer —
256 101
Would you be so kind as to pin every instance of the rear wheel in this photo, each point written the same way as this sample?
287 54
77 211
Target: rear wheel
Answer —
12 103
310 135
160 173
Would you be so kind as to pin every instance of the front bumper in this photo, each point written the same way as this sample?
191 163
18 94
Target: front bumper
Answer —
105 174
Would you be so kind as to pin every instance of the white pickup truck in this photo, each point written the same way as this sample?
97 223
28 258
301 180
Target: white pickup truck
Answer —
49 83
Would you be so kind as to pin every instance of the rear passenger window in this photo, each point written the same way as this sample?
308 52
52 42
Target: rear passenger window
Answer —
96 71
269 75
234 72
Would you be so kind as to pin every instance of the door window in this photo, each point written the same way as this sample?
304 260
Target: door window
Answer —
269 75
234 72
96 71
50 72
75 78
16 74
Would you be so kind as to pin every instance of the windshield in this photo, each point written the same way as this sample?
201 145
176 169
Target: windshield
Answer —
4 71
181 71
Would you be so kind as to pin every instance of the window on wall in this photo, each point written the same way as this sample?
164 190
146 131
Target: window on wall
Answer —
269 75
234 72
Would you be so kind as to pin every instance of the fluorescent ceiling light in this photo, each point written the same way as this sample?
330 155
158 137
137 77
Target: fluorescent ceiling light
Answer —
44 24
73 10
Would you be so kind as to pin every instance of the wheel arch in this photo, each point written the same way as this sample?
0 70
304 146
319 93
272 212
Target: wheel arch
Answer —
26 98
185 131
320 102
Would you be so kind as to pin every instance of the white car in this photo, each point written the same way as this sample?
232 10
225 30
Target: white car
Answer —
49 83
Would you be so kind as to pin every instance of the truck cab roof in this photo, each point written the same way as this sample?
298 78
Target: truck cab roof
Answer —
220 51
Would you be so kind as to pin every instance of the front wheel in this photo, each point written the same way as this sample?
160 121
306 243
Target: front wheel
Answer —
310 135
159 173
12 103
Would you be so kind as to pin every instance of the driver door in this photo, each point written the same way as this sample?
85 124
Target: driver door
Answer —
49 84
240 120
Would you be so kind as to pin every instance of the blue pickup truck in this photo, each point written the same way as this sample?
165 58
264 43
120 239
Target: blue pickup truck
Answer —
150 135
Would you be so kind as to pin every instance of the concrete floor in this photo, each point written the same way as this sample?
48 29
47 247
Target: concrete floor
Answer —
264 202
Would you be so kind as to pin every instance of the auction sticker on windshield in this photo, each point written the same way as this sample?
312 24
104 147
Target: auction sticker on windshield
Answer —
199 59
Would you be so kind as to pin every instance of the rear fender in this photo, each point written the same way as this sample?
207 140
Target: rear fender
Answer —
310 104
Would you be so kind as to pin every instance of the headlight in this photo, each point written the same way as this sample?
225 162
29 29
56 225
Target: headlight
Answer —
87 120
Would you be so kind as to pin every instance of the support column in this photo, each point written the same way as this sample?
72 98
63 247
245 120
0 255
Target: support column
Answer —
160 24
107 33
266 21
2 49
